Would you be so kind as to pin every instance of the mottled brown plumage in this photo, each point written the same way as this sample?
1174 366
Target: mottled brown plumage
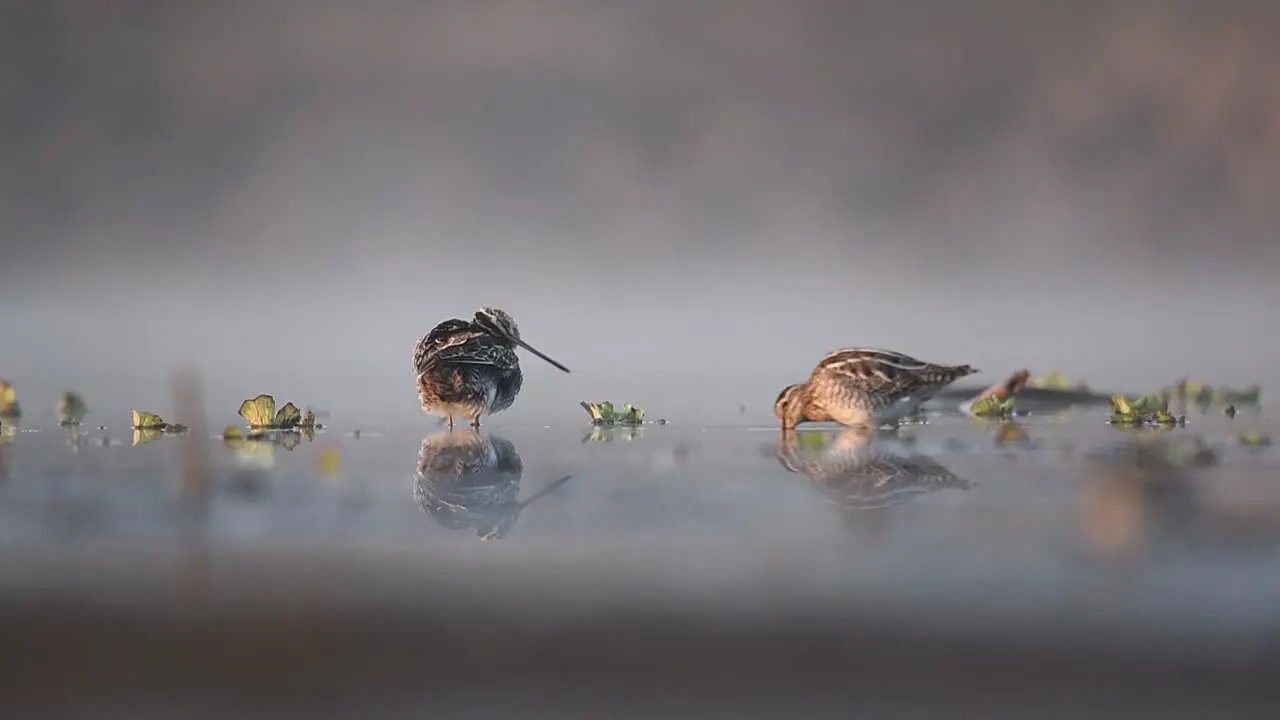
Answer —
470 368
467 480
864 387
859 473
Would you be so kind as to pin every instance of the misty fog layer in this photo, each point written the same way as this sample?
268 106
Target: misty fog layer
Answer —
686 203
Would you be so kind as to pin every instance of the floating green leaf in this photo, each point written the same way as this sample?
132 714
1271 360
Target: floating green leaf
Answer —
1120 405
71 409
9 407
259 412
1149 405
233 432
1146 411
287 417
991 406
631 415
147 421
604 413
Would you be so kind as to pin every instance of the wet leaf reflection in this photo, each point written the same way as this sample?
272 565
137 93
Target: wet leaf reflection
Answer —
467 479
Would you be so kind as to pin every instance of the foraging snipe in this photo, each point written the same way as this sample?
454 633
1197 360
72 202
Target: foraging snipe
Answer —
864 387
469 368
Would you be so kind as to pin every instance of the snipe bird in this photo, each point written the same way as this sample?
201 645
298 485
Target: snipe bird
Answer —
469 368
864 387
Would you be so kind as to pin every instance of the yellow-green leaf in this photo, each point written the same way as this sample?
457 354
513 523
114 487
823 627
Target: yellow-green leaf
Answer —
811 439
147 421
989 405
232 432
259 412
9 407
1120 405
288 416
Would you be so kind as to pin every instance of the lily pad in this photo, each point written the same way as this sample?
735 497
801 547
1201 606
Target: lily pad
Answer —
71 409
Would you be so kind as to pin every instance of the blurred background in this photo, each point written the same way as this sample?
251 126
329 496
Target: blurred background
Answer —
685 203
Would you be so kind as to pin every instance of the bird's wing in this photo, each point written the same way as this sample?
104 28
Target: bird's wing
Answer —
888 357
876 372
449 332
887 372
480 350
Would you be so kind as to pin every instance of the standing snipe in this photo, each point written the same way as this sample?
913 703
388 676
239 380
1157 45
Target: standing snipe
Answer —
469 368
864 387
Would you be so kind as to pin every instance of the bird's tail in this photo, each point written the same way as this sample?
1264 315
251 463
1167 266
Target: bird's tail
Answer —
946 374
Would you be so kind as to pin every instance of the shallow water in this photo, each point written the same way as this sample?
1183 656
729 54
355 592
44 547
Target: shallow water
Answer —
1056 536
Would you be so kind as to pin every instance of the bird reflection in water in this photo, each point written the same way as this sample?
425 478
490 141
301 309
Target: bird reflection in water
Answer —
467 479
859 471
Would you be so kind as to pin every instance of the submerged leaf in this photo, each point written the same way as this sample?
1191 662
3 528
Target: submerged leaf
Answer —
811 439
232 432
71 409
287 417
259 412
308 419
147 421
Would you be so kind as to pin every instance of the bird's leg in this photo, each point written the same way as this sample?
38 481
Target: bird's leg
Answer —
475 421
450 422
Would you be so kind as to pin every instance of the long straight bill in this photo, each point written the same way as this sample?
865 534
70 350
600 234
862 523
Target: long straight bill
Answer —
533 350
